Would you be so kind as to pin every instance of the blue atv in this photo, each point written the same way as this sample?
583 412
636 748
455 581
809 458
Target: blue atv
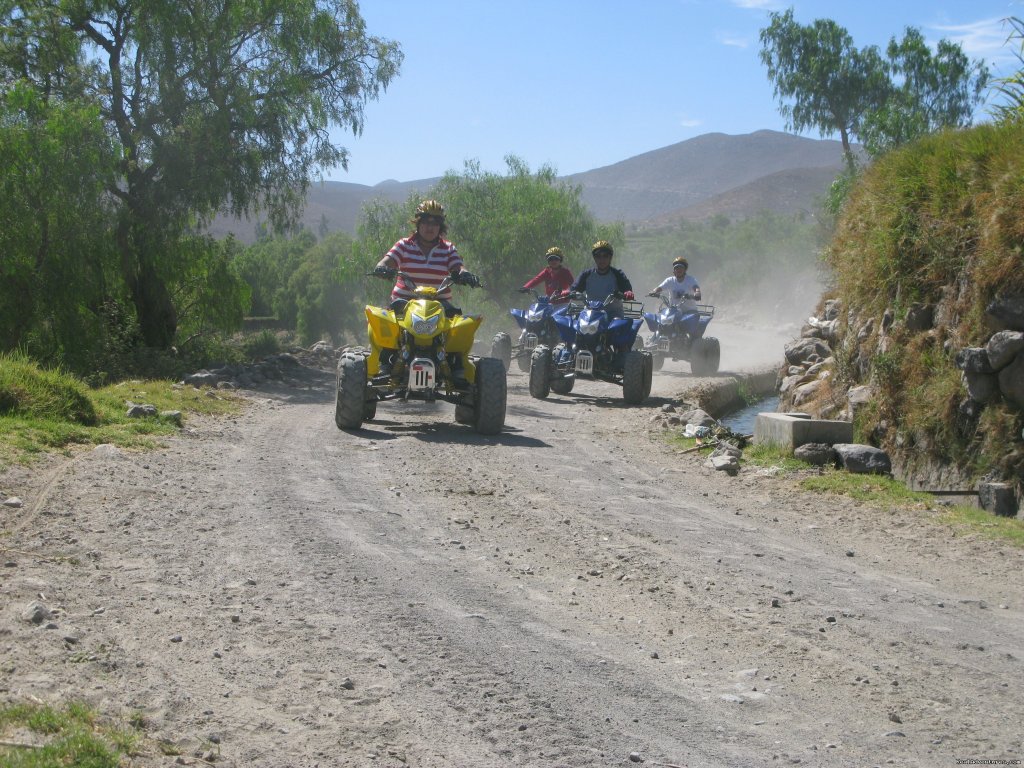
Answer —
594 345
538 327
679 335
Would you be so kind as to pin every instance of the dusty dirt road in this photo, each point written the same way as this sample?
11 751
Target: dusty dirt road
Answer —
271 591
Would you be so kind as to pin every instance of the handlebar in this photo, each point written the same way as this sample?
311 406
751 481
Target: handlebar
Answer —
387 273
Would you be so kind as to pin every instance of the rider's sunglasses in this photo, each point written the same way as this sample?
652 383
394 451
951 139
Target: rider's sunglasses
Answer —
431 220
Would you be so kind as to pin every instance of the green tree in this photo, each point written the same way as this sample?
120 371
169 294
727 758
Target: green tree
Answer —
213 106
821 79
502 225
928 91
58 268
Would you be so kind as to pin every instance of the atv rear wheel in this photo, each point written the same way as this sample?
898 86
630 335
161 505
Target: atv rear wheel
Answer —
636 377
563 386
350 402
501 348
540 372
491 396
707 354
657 360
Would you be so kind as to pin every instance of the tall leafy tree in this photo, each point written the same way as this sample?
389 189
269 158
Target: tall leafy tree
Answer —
57 263
929 91
503 224
214 105
822 80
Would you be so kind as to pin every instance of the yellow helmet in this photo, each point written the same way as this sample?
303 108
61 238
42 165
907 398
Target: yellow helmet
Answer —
680 260
553 253
602 245
427 209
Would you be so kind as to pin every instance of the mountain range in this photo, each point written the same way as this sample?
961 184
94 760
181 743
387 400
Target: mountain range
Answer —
708 175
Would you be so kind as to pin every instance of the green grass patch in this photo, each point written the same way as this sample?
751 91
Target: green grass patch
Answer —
73 735
972 520
771 456
878 489
44 411
31 392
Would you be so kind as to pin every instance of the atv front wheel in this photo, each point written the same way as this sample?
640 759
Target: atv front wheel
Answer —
636 377
501 348
540 372
491 396
351 400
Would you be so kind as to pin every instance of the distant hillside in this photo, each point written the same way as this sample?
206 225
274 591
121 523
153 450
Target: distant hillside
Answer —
335 203
786 192
688 173
697 178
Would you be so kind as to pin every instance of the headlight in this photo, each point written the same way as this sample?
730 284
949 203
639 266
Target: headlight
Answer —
424 327
590 327
535 315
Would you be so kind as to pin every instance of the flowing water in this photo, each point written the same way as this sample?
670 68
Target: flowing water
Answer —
742 421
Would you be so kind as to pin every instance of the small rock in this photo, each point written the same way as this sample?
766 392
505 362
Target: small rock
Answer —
14 503
176 639
635 757
347 684
895 718
36 613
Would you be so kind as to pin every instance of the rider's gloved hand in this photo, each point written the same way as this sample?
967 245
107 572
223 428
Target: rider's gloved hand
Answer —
468 278
628 296
524 290
383 271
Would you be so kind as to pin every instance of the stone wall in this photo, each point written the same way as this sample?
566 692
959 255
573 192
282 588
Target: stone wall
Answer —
829 371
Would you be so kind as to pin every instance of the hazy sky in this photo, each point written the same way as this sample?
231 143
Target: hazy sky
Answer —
580 84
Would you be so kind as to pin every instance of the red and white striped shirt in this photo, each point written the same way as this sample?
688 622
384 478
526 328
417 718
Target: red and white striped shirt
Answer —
427 270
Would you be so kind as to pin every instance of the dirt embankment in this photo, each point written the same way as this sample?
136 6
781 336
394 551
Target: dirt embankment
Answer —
267 590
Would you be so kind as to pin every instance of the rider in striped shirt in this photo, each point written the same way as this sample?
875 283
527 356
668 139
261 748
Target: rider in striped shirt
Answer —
426 257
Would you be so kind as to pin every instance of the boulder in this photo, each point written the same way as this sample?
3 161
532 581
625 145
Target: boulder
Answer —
806 392
858 397
818 454
1007 313
802 350
202 379
997 498
974 359
863 459
1011 381
833 308
698 417
920 317
982 387
1003 347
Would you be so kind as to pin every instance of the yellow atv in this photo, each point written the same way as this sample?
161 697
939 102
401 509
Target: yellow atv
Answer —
421 354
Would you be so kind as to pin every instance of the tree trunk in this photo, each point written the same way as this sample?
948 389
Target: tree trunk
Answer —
157 317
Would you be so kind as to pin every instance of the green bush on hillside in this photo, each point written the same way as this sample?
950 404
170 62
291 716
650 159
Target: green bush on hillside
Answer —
936 222
29 391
